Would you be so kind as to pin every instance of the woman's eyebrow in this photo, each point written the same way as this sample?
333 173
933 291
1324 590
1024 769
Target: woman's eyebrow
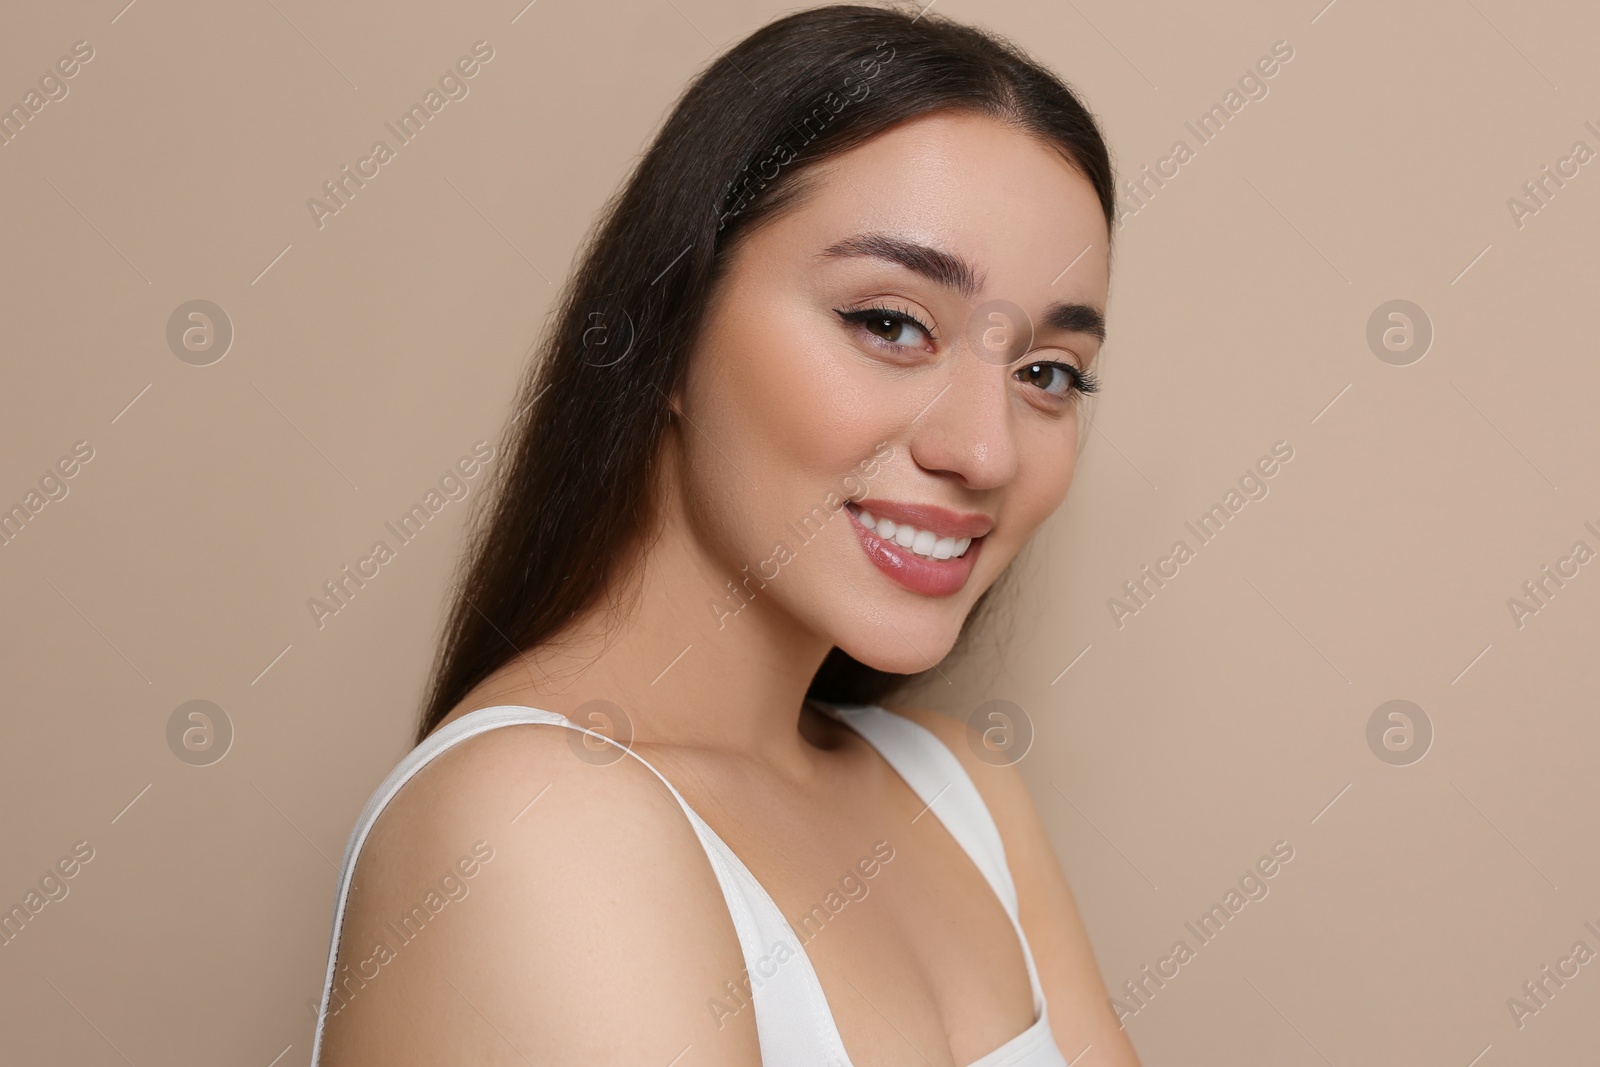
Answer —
953 272
1075 318
938 266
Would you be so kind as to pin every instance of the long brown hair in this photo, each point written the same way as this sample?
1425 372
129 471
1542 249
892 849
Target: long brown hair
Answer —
573 494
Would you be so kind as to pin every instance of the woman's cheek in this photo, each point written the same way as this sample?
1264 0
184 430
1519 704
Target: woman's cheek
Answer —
828 406
785 373
1039 491
852 406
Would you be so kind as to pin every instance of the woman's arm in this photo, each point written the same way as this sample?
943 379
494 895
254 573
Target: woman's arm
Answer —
1080 1012
585 927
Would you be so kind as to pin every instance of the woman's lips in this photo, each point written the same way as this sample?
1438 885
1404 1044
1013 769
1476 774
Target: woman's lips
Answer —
929 577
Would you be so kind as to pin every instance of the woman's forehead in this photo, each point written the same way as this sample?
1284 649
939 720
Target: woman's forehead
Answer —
1002 201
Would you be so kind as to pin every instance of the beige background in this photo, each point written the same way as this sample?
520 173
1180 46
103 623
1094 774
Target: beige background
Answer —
1228 714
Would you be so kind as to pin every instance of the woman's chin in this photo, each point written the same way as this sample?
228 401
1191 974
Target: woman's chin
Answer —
906 652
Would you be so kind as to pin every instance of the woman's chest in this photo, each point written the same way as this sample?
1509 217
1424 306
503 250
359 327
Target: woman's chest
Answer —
916 956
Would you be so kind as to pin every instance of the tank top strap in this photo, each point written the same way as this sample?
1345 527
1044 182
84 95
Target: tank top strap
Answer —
937 777
792 1017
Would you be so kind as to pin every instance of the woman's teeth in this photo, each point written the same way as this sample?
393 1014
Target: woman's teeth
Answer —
923 542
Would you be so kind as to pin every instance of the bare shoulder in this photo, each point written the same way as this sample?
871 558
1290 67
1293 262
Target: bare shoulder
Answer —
527 898
1080 1011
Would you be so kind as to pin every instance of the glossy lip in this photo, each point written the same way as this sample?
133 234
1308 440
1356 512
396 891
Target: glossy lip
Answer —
931 517
928 577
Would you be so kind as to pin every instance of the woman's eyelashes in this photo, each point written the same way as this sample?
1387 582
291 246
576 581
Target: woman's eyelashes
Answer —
890 327
898 329
1061 380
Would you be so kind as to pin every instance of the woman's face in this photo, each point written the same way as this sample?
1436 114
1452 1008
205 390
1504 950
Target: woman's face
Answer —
889 376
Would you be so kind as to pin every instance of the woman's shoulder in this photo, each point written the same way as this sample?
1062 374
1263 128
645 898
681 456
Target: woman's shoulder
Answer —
502 774
522 890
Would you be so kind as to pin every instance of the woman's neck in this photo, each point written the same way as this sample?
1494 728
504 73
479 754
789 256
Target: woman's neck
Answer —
689 661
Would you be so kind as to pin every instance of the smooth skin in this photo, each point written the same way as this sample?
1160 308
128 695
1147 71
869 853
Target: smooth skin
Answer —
597 934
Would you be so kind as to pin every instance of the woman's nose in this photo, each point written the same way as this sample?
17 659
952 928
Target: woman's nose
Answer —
966 430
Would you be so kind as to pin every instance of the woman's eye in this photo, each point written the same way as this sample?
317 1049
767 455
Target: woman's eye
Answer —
892 327
1057 379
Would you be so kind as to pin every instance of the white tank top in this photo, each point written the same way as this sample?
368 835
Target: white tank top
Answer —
793 1020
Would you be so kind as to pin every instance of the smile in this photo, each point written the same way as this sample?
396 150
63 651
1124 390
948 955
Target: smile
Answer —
924 543
925 549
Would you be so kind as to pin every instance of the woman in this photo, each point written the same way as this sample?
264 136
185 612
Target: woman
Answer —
813 385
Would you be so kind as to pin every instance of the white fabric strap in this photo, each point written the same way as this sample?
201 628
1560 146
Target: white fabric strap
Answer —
938 778
936 775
